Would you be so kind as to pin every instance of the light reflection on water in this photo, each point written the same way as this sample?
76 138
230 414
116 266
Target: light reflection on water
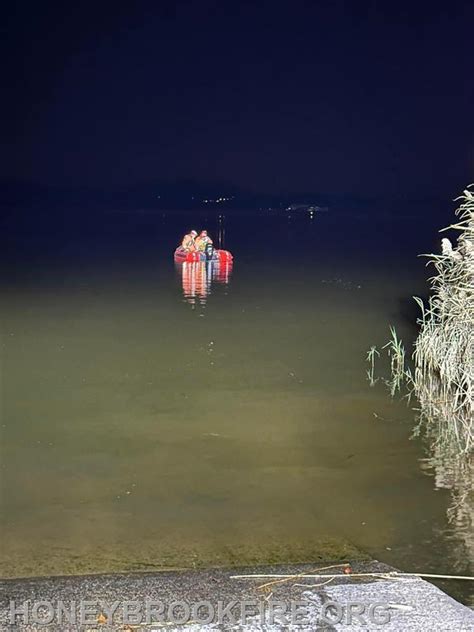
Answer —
137 436
198 277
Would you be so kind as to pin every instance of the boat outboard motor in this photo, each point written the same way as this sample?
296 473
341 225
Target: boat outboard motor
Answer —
209 251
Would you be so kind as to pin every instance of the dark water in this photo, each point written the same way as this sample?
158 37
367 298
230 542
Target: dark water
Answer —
159 417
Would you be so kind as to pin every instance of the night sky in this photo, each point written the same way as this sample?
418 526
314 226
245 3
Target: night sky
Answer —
359 97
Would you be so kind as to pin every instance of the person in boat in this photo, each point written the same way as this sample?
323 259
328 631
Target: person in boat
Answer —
202 240
189 241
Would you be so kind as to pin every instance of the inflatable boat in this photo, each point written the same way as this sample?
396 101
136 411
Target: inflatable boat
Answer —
210 254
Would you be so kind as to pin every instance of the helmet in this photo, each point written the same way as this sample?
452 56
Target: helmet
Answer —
193 233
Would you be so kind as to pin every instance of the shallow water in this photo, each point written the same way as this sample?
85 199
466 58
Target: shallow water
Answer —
154 417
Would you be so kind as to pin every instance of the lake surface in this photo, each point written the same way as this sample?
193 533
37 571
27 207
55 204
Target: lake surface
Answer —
155 417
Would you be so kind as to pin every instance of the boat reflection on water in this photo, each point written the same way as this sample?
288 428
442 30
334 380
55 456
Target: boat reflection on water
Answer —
198 278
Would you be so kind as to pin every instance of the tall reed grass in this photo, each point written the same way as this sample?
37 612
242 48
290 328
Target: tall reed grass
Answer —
442 372
443 379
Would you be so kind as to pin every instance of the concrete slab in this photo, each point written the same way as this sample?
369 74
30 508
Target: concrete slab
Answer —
196 601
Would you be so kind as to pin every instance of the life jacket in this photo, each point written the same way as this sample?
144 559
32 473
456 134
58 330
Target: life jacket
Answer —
188 242
202 242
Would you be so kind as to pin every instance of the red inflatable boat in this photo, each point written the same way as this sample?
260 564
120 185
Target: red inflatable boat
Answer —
222 256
